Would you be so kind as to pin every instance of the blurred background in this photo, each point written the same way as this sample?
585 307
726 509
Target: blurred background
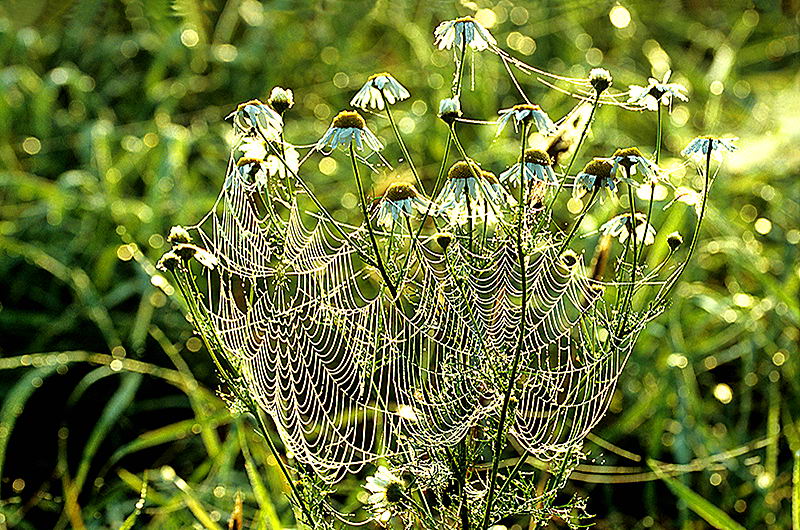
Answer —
111 131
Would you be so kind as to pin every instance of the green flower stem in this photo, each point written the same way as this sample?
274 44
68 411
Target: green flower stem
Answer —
430 207
673 278
460 73
363 200
403 145
501 427
516 469
627 301
289 183
579 221
653 184
552 202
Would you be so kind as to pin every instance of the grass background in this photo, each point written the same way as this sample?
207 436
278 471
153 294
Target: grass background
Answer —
111 131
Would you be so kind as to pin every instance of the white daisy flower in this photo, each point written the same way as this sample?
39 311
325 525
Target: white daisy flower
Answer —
255 118
386 492
468 181
348 127
633 159
596 174
377 88
276 168
523 114
537 167
465 30
449 109
657 91
620 227
699 146
398 200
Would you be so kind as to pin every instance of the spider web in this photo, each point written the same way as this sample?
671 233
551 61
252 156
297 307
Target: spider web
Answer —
349 375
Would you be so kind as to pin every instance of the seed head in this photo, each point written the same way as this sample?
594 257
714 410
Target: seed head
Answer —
178 234
443 239
185 251
599 167
674 240
168 262
629 151
537 156
246 103
281 99
464 170
400 191
600 79
349 119
449 110
394 492
489 177
569 259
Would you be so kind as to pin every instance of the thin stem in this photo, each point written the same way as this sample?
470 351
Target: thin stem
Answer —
673 278
428 210
464 509
363 201
460 73
579 221
403 145
569 167
653 184
627 301
501 428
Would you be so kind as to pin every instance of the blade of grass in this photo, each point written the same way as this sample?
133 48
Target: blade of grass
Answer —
699 505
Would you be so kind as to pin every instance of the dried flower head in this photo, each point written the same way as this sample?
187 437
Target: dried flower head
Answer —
449 109
178 234
674 240
600 79
168 262
281 99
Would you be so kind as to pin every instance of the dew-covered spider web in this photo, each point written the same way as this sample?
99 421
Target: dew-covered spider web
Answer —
348 374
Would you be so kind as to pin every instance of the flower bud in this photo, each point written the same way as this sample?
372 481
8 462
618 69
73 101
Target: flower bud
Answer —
674 240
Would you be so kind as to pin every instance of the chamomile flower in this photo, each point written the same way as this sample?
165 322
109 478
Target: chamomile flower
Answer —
699 146
255 118
398 200
595 175
449 109
386 492
523 114
168 262
378 88
657 92
537 167
465 30
620 227
471 193
349 127
633 161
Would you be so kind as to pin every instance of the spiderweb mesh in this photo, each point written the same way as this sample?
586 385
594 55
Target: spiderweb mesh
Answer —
348 374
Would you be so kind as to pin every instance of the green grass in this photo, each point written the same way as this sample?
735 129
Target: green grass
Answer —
111 131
